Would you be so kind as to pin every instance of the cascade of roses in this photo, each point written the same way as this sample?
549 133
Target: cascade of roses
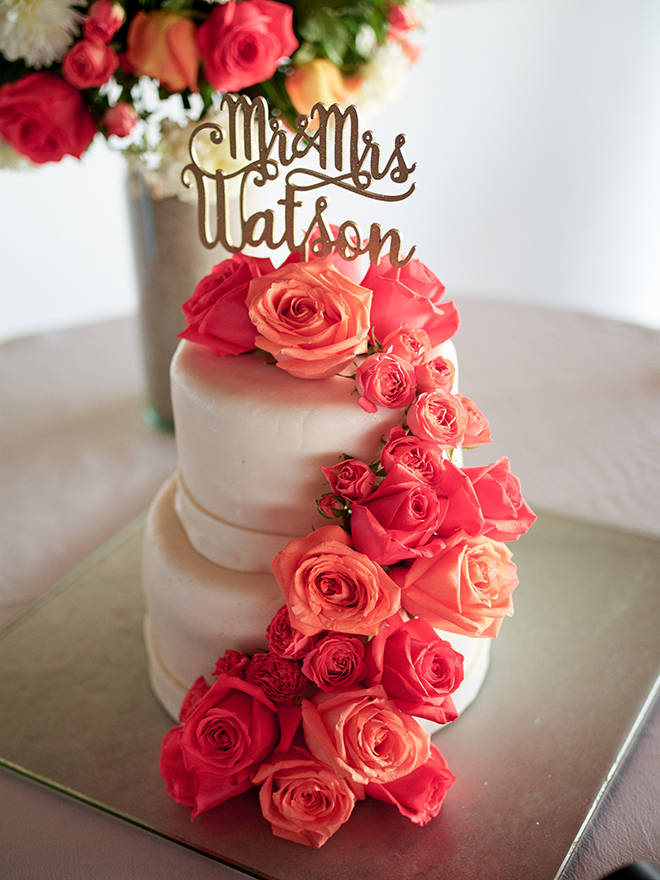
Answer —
330 712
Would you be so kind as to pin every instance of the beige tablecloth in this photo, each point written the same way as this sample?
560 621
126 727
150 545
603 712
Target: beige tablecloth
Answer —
573 400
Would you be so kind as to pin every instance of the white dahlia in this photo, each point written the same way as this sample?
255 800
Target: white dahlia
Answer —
39 31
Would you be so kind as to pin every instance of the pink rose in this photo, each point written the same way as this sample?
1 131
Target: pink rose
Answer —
336 662
410 345
507 514
417 668
232 663
419 795
331 506
285 641
327 585
401 20
310 317
398 520
363 736
385 380
216 313
103 20
435 373
422 457
477 430
89 64
303 799
44 118
440 417
280 679
465 589
119 120
242 44
351 479
229 731
411 295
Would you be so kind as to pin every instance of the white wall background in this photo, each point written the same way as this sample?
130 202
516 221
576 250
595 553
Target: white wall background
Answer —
536 126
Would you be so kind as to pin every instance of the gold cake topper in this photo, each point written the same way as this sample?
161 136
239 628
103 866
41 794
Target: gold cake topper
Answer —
324 136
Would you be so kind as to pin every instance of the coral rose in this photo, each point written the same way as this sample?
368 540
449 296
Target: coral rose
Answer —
411 295
336 663
385 380
362 735
161 44
103 20
216 313
45 118
418 796
89 64
465 589
319 81
440 417
285 641
351 479
417 668
327 585
422 457
477 430
438 372
507 514
119 120
310 317
411 345
303 799
243 43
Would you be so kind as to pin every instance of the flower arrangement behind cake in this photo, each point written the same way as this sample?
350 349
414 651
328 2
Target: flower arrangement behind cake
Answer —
358 664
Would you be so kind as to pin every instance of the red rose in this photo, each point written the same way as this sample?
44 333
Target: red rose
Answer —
44 118
89 64
465 589
507 514
327 585
229 731
216 313
119 120
439 417
285 641
420 456
336 662
411 345
195 693
280 679
411 295
385 380
459 503
303 799
436 373
417 668
477 430
398 520
242 44
351 479
232 663
310 317
103 21
161 44
363 736
419 795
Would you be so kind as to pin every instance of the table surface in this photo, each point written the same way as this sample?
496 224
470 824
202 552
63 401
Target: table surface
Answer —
573 400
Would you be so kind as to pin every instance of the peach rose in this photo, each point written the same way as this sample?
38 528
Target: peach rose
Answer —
465 589
440 417
303 799
310 317
317 81
439 372
363 736
329 585
411 345
161 44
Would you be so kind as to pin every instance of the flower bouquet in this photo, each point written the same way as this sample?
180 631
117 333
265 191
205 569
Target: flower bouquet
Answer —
359 662
137 70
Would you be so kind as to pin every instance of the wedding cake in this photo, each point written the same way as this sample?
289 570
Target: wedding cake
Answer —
323 576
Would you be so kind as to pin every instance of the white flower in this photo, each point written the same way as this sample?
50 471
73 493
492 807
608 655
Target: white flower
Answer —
382 77
39 31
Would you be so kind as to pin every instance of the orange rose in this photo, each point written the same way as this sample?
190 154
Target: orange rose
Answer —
310 317
162 45
363 736
329 585
465 589
319 80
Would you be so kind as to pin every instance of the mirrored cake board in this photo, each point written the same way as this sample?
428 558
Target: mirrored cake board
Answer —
571 679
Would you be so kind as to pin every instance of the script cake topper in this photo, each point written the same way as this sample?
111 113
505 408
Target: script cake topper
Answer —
268 147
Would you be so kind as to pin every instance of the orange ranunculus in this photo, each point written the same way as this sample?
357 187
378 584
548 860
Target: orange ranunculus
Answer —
319 80
162 45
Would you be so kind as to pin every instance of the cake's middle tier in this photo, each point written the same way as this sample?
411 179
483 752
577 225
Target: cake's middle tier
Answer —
251 440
